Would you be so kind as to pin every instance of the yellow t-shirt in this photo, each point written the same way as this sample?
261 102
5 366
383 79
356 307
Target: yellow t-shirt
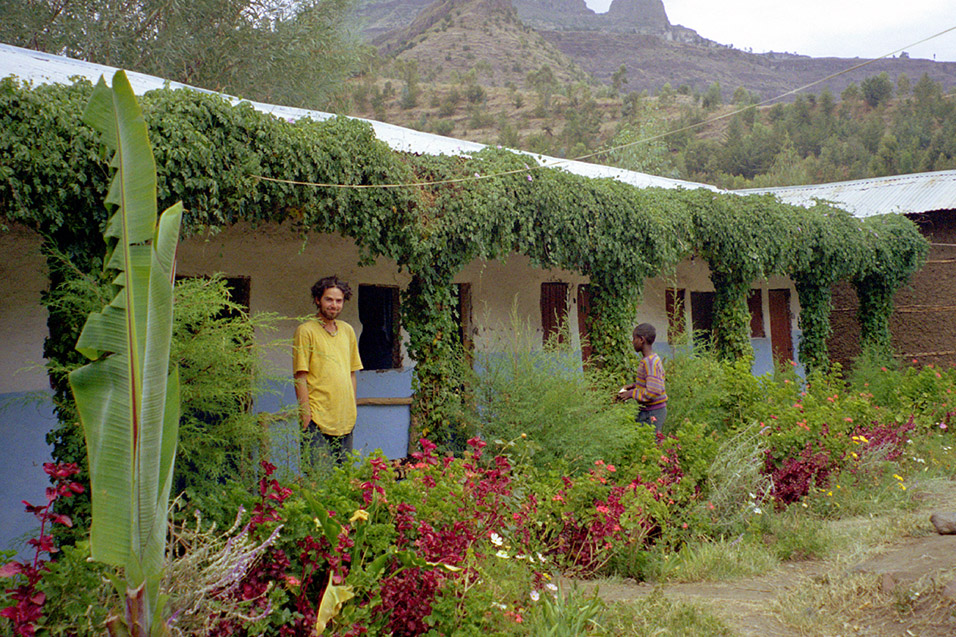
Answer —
329 362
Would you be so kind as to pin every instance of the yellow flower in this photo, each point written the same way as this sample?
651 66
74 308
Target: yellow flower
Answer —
898 477
360 515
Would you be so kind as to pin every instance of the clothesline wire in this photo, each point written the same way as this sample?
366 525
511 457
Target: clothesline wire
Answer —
527 170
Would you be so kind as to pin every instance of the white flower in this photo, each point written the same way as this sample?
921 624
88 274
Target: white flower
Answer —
496 539
534 596
541 559
503 554
499 606
757 510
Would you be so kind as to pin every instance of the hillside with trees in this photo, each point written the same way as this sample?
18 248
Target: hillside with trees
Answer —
626 88
874 128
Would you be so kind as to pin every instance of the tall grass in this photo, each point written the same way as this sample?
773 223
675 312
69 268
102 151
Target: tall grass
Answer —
543 393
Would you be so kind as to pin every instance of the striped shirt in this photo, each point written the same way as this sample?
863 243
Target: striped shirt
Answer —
649 389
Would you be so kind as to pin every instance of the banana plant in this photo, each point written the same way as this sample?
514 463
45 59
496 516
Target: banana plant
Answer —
128 396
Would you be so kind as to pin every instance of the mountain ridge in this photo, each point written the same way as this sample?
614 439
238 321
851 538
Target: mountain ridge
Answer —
573 40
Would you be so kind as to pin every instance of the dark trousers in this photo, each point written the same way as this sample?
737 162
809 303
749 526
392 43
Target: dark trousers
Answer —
654 417
322 450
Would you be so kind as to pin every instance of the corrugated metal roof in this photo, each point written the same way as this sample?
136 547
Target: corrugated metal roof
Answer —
899 194
44 68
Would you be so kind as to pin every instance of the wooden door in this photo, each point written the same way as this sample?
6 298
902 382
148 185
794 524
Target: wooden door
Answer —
781 336
554 308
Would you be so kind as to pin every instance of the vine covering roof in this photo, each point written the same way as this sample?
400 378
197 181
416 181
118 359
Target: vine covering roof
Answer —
44 68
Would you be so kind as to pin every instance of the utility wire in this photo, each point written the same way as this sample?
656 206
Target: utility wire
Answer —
527 170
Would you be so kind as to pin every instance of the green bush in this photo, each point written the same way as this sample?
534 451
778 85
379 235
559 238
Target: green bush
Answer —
543 394
222 371
220 350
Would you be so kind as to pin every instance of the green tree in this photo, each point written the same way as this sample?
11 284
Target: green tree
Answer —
288 53
639 144
665 96
712 98
886 161
411 90
619 79
903 85
544 84
742 96
582 127
877 89
851 93
927 93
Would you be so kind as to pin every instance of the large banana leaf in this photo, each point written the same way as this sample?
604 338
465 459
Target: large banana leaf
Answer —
127 398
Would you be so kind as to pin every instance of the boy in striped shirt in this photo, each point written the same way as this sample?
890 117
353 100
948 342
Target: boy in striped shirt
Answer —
648 389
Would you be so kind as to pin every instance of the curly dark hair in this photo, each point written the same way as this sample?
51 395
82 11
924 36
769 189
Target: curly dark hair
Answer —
647 332
331 282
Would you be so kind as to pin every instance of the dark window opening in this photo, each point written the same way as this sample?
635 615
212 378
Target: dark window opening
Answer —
702 313
755 306
554 309
379 344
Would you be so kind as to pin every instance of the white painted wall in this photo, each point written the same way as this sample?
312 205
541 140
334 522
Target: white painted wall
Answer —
283 266
506 301
23 277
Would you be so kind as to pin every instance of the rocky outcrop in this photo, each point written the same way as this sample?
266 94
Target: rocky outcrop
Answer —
373 18
624 16
376 18
645 16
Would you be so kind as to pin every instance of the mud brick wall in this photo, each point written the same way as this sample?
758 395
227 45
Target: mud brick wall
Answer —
924 322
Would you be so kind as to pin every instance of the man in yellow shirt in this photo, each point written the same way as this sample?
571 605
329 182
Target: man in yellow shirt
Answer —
325 358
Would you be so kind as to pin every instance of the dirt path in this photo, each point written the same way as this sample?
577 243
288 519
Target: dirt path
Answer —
747 605
909 589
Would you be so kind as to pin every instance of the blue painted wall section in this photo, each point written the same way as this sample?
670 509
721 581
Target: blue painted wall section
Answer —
383 427
25 419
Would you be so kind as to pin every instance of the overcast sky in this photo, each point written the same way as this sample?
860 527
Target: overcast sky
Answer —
820 28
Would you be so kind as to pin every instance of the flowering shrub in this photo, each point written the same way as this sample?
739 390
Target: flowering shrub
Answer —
27 610
472 544
794 478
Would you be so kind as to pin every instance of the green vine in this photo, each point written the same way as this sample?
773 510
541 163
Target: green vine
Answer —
743 239
829 250
894 250
213 156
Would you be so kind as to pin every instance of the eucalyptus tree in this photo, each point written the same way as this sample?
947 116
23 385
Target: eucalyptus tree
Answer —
294 52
